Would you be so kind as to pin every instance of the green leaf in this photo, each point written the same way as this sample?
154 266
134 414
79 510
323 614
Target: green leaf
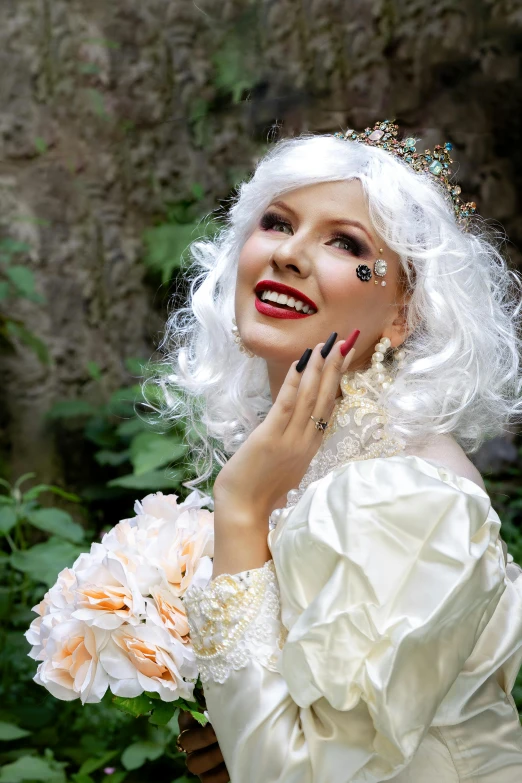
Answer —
154 480
116 777
57 522
5 290
194 708
136 706
90 765
7 519
97 102
138 753
44 561
89 68
132 427
27 337
31 768
8 732
165 244
135 366
162 714
107 42
11 246
198 191
94 370
149 451
37 490
68 409
40 145
23 279
108 457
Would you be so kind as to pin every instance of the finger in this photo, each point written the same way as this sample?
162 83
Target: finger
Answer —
186 721
217 775
283 407
307 397
335 365
204 760
198 737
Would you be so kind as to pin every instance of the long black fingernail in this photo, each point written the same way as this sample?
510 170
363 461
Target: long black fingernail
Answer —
303 361
329 344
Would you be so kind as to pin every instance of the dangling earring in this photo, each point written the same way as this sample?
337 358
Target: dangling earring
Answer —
239 341
380 268
378 367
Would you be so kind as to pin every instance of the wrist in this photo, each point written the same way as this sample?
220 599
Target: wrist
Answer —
240 540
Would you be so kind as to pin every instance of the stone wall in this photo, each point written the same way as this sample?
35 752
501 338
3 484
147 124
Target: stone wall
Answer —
113 110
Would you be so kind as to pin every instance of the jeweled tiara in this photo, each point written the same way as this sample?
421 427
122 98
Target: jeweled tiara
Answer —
384 135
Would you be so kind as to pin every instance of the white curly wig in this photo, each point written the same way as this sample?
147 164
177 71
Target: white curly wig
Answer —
462 374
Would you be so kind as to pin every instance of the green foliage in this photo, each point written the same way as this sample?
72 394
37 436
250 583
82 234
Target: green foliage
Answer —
92 743
17 282
125 441
182 224
236 62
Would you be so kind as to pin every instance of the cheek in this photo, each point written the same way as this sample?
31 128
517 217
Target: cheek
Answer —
255 254
351 297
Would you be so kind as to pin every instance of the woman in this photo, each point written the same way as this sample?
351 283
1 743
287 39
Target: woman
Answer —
364 621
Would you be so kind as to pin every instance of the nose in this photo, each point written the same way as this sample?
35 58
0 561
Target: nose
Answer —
293 252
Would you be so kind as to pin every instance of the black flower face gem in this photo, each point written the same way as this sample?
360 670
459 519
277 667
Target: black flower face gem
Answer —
363 272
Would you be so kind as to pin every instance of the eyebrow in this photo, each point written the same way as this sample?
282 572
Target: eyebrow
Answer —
334 221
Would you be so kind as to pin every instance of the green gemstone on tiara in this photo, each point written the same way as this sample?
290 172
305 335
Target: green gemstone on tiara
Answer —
435 167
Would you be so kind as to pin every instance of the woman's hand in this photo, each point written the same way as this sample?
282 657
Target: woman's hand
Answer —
204 757
276 455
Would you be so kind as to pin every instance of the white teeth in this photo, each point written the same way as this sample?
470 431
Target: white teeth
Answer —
290 301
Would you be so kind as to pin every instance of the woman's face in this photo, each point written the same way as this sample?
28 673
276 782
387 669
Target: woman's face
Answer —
313 239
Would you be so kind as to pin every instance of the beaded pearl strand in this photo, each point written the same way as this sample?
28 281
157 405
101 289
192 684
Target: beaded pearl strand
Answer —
378 358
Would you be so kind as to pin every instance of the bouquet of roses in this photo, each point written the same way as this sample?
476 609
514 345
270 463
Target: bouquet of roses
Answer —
116 621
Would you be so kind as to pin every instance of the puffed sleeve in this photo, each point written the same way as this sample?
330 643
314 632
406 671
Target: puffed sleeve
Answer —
384 576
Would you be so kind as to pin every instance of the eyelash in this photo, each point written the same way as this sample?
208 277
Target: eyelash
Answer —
270 219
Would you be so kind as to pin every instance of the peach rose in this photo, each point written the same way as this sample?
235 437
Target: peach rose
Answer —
183 550
167 611
71 668
107 594
55 607
147 658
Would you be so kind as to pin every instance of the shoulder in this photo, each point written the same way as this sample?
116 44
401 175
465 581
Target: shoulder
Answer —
444 450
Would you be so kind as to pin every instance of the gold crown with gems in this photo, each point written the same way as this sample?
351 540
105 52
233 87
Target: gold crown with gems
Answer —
384 135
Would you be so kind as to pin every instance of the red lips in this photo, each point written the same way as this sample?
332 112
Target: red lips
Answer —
281 288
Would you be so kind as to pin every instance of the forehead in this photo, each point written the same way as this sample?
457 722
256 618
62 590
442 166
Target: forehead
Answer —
330 200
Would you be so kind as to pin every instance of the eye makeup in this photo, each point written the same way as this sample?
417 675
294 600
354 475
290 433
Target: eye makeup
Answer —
355 246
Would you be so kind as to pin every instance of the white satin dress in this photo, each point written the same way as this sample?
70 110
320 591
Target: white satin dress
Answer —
383 639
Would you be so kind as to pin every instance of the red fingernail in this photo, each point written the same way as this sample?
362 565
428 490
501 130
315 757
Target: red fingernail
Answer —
350 342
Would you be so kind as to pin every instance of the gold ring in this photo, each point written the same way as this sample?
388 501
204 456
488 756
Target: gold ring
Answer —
178 746
320 424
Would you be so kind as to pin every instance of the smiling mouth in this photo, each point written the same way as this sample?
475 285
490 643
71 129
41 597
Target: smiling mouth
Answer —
278 304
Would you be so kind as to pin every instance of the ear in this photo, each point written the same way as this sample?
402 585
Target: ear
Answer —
397 330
